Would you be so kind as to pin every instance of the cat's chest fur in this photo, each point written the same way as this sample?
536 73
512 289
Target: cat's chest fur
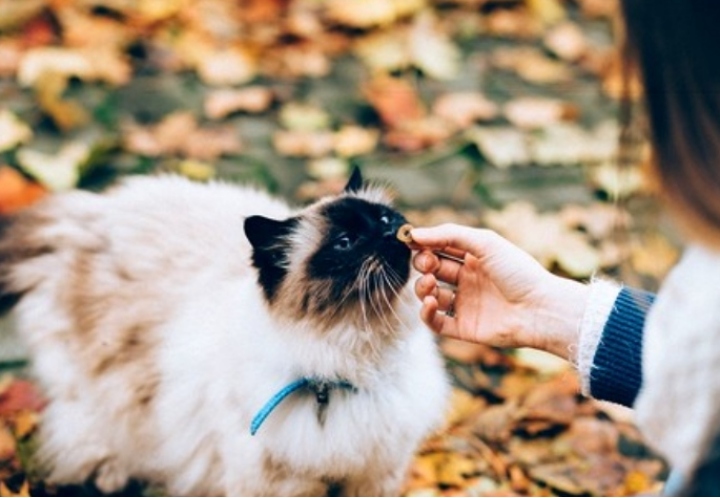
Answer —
157 342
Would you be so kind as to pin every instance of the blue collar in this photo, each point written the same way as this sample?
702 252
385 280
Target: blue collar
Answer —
320 387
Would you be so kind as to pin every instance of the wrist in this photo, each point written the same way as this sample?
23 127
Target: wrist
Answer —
559 318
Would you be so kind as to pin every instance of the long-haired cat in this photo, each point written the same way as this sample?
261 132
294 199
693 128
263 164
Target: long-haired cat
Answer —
210 339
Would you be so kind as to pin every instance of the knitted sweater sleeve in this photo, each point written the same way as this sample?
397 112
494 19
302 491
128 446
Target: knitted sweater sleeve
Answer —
610 343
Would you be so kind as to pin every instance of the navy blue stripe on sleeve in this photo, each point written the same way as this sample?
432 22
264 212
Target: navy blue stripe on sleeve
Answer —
616 374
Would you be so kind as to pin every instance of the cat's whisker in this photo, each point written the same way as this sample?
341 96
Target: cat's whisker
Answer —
388 274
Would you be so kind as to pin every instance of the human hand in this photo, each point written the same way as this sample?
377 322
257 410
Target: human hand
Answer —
498 295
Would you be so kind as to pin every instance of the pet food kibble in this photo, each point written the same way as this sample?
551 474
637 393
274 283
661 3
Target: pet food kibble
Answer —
403 233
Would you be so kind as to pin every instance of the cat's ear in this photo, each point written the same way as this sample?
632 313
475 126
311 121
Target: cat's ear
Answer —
268 238
355 182
264 233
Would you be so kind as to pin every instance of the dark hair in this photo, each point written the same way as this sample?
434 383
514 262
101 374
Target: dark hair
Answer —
676 45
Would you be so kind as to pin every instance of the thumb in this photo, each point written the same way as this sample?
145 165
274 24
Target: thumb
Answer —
475 241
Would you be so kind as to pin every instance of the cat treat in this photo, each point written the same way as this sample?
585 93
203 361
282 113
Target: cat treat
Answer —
404 233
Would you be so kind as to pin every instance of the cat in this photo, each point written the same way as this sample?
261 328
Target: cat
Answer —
210 339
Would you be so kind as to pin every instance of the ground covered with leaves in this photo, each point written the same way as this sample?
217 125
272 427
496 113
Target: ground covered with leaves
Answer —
498 113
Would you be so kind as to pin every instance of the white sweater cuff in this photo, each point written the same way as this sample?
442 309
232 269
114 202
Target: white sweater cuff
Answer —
598 307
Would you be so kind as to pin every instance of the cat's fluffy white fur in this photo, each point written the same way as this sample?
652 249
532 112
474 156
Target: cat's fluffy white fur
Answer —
153 341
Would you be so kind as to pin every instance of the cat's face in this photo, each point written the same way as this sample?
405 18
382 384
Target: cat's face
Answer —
338 258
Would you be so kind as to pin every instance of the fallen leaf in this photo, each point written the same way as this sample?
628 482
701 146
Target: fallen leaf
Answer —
502 146
58 171
431 50
418 134
653 255
7 443
20 395
303 143
511 23
369 13
18 12
531 65
600 8
328 168
538 112
541 361
24 423
196 170
296 116
66 114
384 51
179 134
462 109
23 491
350 141
617 182
223 102
462 406
536 233
11 53
569 143
228 66
548 11
496 422
567 41
394 99
13 131
453 469
17 192
576 256
87 64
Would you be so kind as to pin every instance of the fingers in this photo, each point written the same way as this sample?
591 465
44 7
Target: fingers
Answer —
427 285
445 269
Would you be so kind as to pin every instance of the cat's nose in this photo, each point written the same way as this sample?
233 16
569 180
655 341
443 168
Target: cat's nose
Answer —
392 224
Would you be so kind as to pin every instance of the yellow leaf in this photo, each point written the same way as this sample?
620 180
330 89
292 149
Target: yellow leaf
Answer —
23 491
653 255
462 406
156 10
59 171
7 442
13 131
548 11
369 13
25 422
454 468
196 170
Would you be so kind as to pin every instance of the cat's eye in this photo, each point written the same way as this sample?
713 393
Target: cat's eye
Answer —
343 243
385 219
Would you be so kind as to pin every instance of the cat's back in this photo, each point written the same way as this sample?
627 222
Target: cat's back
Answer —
145 229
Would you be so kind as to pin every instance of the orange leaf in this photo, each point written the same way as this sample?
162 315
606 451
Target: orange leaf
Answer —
395 100
20 395
16 192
